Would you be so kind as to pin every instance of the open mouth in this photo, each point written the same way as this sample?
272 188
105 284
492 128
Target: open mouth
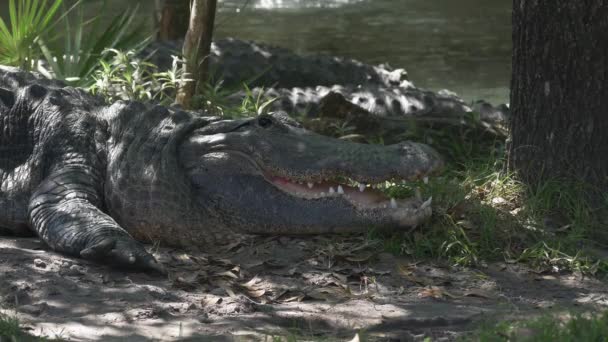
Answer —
361 195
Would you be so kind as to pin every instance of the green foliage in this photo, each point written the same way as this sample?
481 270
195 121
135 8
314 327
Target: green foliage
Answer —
218 99
126 77
484 214
9 327
469 141
548 328
29 21
78 58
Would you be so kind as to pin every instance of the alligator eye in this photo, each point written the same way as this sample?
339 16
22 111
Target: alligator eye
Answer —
264 122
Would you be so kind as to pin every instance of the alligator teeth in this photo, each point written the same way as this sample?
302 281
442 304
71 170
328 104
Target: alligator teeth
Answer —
340 190
361 187
331 190
426 203
310 185
425 180
393 203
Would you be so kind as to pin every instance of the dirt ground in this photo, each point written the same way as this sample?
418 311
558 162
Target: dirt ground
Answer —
259 288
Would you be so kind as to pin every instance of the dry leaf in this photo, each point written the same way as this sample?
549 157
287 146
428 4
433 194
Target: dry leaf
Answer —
229 291
435 292
287 296
297 298
342 278
232 245
227 274
328 293
478 293
256 293
360 257
285 271
252 282
211 300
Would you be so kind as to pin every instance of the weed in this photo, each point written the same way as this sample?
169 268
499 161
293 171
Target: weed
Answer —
547 328
126 77
9 327
484 214
220 100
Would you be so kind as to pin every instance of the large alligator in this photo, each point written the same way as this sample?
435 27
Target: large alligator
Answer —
371 97
262 65
92 180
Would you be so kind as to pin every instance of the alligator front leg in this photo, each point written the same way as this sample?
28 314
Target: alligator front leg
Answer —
65 212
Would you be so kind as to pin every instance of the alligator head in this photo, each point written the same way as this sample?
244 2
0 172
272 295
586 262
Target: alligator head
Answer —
268 175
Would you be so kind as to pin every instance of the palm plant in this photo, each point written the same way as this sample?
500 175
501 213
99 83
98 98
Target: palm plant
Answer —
77 60
28 21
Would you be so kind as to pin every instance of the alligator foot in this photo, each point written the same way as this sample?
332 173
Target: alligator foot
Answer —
123 251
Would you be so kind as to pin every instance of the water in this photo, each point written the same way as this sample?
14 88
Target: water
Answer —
463 45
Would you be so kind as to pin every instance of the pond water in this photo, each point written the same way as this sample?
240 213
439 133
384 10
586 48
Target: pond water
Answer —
463 45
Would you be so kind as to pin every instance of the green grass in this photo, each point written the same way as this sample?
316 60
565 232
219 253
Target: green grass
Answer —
9 326
12 331
548 328
483 214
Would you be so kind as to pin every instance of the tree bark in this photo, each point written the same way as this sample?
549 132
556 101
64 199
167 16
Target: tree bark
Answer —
172 19
196 49
559 91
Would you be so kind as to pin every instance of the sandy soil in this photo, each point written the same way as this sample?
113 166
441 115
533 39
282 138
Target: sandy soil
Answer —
257 288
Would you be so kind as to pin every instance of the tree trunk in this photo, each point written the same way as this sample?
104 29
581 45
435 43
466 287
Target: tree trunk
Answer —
197 47
172 18
559 91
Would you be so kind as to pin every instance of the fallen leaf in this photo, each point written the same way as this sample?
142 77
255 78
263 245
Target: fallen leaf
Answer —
435 292
232 245
251 282
228 274
479 293
285 271
342 278
328 293
256 293
365 256
211 300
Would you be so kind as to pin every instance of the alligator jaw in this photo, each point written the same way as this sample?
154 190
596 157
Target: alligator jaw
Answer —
362 196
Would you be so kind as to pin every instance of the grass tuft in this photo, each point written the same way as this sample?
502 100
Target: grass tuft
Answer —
482 214
548 328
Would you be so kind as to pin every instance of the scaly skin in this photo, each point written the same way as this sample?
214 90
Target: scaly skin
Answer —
235 61
92 180
379 111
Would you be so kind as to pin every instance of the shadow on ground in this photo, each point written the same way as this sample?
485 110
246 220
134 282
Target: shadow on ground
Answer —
261 287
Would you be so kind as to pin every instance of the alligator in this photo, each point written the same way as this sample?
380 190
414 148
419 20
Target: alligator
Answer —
375 99
96 180
235 61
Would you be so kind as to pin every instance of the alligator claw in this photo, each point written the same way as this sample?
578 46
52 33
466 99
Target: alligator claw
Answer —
124 252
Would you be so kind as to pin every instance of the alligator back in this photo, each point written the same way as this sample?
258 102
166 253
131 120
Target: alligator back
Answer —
235 61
